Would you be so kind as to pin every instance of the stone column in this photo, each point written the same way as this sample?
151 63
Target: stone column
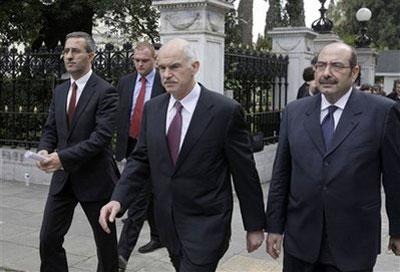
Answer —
366 58
297 43
202 23
325 39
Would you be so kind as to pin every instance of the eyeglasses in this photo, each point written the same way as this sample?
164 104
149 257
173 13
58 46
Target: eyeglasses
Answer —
320 66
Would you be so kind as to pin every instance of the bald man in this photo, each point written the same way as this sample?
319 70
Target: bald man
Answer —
191 141
334 150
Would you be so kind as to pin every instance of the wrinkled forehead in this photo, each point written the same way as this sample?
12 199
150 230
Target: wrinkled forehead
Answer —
334 54
168 57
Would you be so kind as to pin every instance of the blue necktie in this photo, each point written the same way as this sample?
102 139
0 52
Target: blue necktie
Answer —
328 126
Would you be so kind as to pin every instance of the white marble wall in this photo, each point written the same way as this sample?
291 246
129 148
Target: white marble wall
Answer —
14 167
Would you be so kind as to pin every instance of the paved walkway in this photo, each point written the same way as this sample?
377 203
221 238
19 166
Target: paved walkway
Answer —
21 209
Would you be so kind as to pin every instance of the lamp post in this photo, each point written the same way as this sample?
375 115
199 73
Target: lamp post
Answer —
363 15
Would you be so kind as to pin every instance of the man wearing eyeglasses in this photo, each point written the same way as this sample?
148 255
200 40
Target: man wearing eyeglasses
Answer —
76 143
335 149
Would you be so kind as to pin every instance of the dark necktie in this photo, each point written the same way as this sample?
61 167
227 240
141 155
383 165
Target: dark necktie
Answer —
174 133
72 103
328 126
137 112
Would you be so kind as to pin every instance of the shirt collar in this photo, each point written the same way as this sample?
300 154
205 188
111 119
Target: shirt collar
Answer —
149 77
341 103
81 82
189 102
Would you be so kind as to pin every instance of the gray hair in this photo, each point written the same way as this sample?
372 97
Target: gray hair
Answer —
90 43
189 52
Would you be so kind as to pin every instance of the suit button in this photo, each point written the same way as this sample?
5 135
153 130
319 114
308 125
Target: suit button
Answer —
326 163
325 188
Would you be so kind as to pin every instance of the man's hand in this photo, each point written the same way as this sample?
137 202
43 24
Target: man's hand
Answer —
52 162
394 245
274 243
108 214
42 164
254 240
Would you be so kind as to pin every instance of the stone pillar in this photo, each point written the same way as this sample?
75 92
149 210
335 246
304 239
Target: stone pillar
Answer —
297 43
202 23
366 58
325 39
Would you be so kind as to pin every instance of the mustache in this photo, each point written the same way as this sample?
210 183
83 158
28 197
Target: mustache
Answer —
328 80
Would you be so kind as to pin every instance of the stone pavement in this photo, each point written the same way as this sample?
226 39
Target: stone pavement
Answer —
21 209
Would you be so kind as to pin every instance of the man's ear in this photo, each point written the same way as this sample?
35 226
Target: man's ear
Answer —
355 71
195 66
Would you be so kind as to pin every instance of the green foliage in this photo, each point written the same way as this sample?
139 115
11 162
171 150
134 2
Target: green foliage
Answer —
232 30
383 28
32 23
264 43
295 12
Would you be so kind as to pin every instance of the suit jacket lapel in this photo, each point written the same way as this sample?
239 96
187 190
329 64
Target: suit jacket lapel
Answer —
348 121
158 129
312 124
157 87
86 94
61 106
202 115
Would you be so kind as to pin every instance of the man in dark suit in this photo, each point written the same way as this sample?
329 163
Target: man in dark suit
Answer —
191 141
135 89
395 94
308 88
76 145
334 150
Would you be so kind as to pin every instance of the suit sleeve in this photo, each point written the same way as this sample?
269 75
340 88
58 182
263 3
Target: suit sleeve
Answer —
49 138
136 172
244 172
280 181
391 168
73 157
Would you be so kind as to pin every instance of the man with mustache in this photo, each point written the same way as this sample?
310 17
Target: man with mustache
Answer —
191 142
334 150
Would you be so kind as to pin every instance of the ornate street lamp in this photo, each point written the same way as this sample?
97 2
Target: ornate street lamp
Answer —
363 15
323 24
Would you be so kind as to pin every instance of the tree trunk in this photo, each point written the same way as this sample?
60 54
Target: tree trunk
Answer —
245 13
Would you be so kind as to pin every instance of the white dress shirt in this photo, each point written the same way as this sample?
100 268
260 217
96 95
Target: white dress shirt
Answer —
149 86
340 104
81 83
189 103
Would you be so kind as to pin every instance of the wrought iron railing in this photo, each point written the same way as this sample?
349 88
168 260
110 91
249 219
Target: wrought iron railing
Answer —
258 81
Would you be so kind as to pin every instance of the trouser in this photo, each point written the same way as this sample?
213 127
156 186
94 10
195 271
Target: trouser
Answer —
293 264
139 210
57 220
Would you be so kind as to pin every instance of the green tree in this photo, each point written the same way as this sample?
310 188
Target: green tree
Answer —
31 22
383 28
245 13
295 12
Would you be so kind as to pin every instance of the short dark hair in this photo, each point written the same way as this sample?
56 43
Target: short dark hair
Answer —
308 73
90 43
397 81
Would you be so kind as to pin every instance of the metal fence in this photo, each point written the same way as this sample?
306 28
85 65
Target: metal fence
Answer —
258 82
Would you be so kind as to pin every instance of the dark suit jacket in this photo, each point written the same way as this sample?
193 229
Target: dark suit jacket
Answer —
125 88
393 96
303 91
343 182
84 149
194 198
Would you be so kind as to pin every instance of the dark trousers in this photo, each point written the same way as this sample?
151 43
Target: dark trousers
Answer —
293 264
140 209
57 220
182 263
